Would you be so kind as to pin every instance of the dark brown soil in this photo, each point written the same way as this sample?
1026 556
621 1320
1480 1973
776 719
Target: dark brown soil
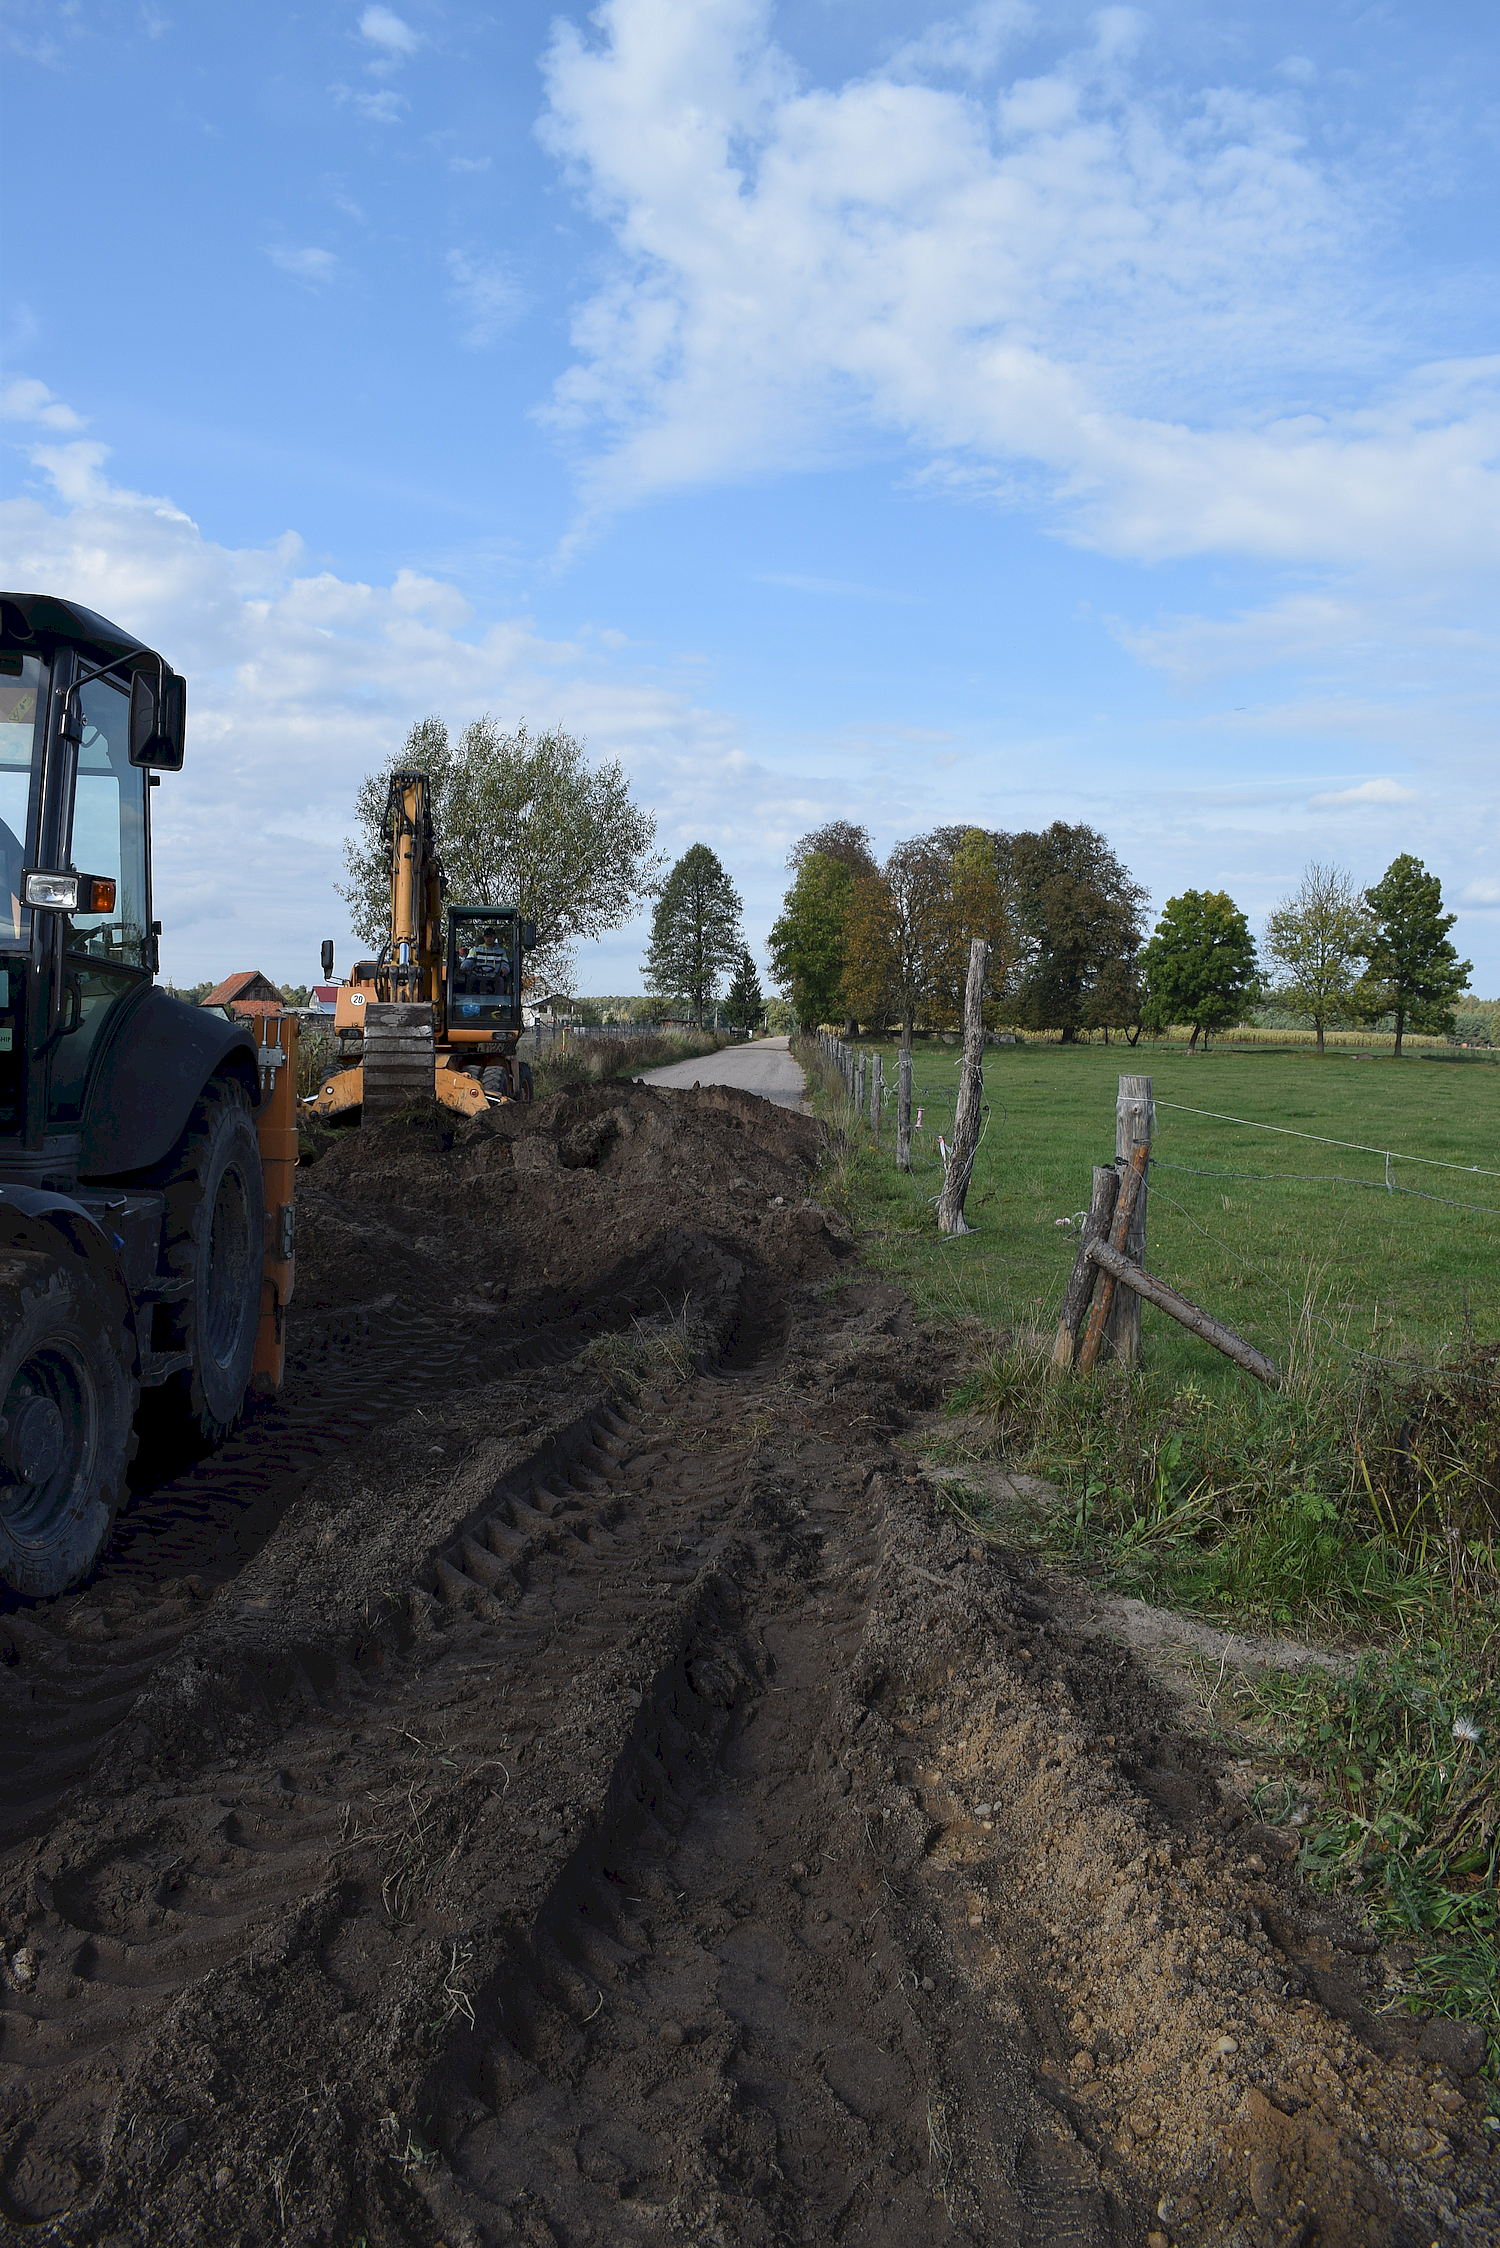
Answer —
560 1777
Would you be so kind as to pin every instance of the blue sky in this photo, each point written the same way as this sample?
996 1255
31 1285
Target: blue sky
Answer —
829 410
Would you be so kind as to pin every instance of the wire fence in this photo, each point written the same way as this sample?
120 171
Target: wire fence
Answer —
1388 1254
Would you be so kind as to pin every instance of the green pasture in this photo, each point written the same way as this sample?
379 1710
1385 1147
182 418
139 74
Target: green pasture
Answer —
1300 1245
1360 1501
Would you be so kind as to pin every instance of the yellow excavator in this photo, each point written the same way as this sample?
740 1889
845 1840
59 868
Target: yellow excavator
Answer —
437 1016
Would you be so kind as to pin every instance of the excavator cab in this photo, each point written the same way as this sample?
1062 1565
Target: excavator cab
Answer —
145 1163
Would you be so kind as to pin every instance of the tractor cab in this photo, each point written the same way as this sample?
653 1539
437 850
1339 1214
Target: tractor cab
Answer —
85 714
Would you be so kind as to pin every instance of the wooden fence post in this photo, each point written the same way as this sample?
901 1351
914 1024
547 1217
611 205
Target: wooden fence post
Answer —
966 1118
1135 1123
877 1092
903 1110
1080 1290
859 1085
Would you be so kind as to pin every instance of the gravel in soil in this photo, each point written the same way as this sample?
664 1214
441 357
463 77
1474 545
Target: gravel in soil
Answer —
600 1796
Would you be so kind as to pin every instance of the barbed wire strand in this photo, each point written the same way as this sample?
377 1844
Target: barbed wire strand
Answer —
1358 1147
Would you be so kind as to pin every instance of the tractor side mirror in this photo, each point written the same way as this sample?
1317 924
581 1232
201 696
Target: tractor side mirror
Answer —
528 936
327 958
157 722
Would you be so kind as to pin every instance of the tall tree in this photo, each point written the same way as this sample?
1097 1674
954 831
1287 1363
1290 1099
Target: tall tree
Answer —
695 930
807 944
743 998
520 819
1318 937
899 936
837 839
1199 967
1079 914
1413 971
980 903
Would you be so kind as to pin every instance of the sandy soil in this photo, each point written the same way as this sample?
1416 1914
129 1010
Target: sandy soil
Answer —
561 1777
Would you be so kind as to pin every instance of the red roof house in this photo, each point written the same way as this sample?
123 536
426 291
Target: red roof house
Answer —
246 995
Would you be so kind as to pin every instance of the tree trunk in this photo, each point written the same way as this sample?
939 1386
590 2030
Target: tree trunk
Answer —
1400 1027
970 1098
903 1109
1192 1042
1318 1027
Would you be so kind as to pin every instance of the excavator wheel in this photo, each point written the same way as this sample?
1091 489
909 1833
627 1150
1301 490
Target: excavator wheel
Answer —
528 1089
214 1233
67 1413
497 1082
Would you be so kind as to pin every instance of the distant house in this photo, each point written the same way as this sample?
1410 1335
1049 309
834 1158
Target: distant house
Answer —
245 995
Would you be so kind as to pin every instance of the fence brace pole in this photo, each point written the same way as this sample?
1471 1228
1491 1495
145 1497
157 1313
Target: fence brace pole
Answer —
877 1091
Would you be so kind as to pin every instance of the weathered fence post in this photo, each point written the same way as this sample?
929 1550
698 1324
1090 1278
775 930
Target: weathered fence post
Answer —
859 1085
903 1110
877 1092
1135 1122
1080 1290
970 1098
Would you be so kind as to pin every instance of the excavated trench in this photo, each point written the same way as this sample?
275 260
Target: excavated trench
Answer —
589 1792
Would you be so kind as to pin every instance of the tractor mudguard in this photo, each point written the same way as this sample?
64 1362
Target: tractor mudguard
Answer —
161 1054
36 1218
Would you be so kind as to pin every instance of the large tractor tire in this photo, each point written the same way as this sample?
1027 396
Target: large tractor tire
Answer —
215 1236
67 1413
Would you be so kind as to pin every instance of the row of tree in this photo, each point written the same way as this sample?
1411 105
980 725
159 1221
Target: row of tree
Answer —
524 820
1064 923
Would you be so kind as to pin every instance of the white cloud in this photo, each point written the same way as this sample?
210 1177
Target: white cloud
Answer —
316 266
971 44
1383 791
1121 300
300 681
468 163
484 294
26 400
394 37
1484 892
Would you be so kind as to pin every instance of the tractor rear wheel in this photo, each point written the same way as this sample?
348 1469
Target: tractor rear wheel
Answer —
67 1413
215 1236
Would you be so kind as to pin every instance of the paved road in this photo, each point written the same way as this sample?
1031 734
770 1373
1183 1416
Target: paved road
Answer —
766 1068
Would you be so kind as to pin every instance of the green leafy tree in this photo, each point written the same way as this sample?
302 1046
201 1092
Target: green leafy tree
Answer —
744 1000
1318 937
808 942
1078 913
1413 971
899 937
843 841
1199 967
695 930
520 819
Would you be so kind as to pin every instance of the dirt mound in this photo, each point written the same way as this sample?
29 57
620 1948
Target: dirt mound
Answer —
603 1797
559 1191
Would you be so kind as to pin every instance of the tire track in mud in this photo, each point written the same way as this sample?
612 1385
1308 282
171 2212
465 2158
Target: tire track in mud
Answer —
71 1669
126 1932
565 1876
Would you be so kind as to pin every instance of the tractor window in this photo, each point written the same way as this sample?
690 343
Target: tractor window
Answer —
22 684
109 829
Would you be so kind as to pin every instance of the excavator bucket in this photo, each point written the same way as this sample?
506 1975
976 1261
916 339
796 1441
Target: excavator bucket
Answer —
399 1058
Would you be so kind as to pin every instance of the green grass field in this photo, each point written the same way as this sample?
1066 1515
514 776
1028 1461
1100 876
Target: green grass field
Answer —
1265 1230
1360 1501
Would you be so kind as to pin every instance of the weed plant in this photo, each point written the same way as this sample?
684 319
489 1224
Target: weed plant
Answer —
1359 1501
